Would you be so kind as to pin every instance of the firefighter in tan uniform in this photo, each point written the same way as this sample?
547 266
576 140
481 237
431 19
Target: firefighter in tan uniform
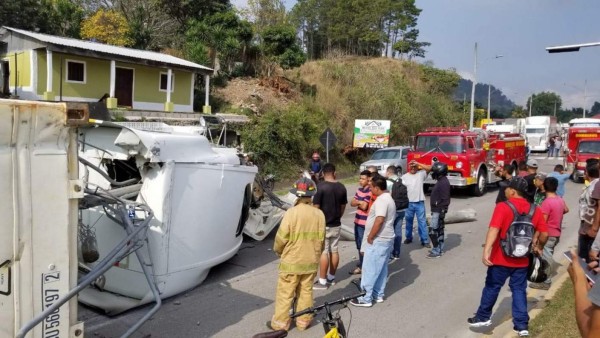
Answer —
299 243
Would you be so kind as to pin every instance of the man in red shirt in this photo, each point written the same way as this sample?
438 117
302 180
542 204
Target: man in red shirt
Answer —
502 267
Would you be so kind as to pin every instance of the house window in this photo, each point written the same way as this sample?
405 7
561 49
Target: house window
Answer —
75 71
163 82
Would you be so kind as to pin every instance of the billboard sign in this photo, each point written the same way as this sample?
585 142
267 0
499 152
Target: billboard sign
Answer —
371 133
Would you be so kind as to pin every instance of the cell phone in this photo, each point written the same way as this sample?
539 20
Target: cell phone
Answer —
590 274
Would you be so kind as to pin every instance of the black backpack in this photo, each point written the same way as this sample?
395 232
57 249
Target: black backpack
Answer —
399 194
519 235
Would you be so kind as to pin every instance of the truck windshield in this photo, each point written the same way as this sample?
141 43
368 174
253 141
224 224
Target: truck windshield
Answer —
589 147
386 155
447 144
535 130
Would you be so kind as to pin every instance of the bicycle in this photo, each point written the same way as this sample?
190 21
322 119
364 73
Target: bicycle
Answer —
332 322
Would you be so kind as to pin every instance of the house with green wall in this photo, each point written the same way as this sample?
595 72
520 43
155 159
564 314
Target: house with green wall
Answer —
45 67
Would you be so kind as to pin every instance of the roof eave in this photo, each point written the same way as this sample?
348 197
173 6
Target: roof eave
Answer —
122 58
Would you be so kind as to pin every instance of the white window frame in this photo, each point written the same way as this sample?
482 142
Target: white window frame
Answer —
172 81
84 71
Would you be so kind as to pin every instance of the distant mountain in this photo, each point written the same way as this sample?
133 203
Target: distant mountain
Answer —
500 104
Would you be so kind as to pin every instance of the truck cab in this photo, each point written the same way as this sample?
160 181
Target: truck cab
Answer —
470 155
583 143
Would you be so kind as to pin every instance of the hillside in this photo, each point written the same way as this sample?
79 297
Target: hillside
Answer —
290 113
501 106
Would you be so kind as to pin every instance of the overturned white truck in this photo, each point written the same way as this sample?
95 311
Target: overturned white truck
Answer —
118 215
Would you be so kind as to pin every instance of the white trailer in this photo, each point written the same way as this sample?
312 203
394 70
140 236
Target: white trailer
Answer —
538 130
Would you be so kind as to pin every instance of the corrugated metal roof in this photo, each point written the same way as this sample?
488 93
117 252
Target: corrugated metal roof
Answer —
109 49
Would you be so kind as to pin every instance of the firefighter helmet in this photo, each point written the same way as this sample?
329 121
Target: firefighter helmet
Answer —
304 187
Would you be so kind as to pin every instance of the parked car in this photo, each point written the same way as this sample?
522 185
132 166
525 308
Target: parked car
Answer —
386 157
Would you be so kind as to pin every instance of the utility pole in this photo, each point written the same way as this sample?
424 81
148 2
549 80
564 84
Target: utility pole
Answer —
554 108
530 104
489 100
473 91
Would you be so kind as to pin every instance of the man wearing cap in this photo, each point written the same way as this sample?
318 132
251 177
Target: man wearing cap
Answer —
502 267
540 192
532 167
299 242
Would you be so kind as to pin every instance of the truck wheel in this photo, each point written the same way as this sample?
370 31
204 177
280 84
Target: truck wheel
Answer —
480 187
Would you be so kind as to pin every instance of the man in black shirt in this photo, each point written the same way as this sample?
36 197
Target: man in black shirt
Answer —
440 201
532 167
505 173
331 198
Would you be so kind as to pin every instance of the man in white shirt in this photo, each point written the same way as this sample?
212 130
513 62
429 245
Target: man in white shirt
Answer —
377 244
413 180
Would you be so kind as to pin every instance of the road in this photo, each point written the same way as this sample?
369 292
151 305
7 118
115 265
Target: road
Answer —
424 298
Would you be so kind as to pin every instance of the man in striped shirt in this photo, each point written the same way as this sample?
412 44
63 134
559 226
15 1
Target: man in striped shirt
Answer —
361 203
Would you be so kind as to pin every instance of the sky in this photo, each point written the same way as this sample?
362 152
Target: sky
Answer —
519 31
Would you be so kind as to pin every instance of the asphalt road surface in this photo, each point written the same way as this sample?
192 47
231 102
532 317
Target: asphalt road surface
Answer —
424 297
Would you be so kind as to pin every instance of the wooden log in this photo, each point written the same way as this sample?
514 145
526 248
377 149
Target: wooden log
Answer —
454 216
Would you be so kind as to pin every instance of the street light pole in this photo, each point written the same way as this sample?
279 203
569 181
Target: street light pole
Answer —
473 91
584 98
530 104
489 99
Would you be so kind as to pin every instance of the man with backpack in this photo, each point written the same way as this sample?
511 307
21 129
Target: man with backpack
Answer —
516 228
399 193
439 201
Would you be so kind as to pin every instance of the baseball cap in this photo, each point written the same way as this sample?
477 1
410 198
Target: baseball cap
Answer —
532 163
519 184
541 176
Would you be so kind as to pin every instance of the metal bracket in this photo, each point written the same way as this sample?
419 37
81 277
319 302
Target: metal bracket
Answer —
76 331
75 189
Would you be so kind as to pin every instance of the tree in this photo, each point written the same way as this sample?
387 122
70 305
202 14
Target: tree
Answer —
544 103
518 113
150 27
265 13
280 46
185 10
221 37
107 26
56 17
595 108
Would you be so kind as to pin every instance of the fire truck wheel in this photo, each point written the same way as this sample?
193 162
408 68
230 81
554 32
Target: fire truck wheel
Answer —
480 188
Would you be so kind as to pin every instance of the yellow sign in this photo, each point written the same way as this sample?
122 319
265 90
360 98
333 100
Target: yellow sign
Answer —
586 135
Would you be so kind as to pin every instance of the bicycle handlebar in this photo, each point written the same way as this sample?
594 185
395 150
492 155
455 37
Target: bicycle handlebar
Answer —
316 309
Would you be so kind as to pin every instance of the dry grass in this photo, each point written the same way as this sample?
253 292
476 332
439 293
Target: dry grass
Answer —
557 319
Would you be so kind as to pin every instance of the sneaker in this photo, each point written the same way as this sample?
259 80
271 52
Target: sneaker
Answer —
331 282
379 300
427 245
477 322
360 302
319 286
522 333
407 241
356 271
540 286
394 258
432 255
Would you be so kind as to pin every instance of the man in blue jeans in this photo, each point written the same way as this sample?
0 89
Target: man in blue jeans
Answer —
413 180
361 202
502 267
377 244
400 195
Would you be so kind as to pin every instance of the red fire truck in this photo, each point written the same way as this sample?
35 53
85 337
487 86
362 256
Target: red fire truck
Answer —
470 155
582 143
